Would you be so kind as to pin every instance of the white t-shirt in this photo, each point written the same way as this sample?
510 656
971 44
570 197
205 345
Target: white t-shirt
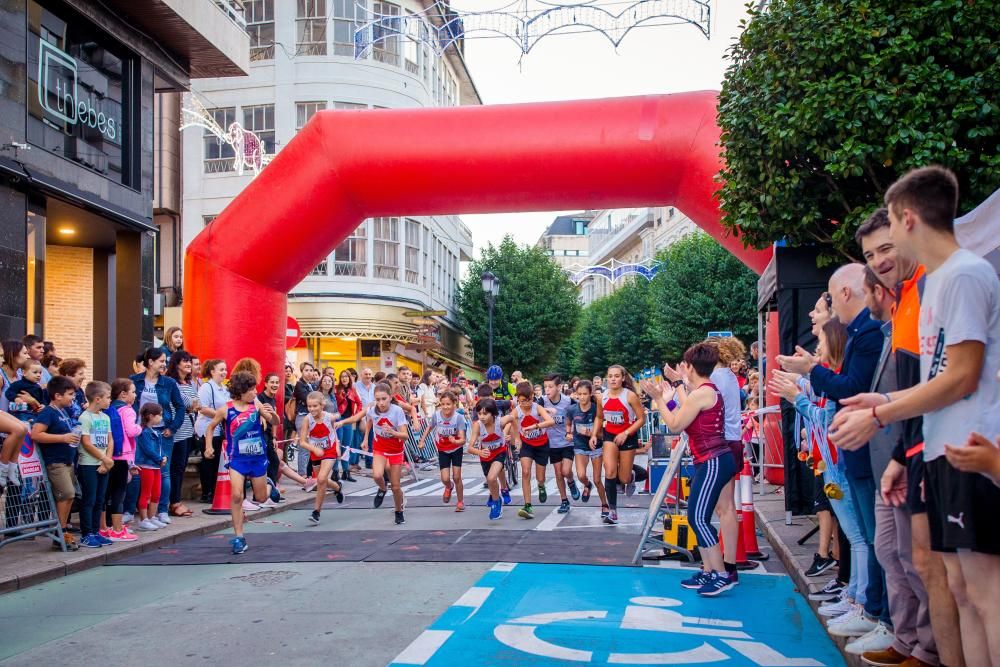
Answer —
725 380
148 395
961 302
210 395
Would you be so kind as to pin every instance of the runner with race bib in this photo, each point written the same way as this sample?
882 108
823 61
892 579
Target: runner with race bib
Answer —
391 430
532 421
621 417
319 438
447 427
556 404
488 443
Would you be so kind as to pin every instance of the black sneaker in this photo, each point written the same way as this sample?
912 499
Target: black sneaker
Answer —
819 565
314 518
379 497
831 591
400 518
563 507
543 495
339 495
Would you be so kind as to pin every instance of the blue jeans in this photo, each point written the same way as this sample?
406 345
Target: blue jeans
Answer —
345 434
93 488
164 504
876 595
847 516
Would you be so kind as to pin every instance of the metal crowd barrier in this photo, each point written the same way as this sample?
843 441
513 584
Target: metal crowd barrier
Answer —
29 510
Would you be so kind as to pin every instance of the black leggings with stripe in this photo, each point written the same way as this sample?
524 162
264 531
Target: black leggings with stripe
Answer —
706 485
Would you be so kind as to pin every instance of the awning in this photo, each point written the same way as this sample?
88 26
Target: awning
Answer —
471 372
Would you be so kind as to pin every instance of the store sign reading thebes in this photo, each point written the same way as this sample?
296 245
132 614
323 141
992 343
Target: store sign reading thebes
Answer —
58 93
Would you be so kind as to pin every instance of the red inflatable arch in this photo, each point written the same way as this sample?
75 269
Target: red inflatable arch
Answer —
345 166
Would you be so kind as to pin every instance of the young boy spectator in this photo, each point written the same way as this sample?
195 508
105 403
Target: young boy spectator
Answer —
53 431
95 462
30 385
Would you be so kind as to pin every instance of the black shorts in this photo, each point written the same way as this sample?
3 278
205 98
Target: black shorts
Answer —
630 444
961 509
539 455
501 458
915 475
450 459
559 454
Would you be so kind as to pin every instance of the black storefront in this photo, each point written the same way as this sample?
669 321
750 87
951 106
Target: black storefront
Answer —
76 179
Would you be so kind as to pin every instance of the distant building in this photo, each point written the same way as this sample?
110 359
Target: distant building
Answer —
565 240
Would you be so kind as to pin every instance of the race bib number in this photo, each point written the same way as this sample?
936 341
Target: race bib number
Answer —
446 431
250 447
322 443
100 438
585 429
531 434
491 445
384 433
614 417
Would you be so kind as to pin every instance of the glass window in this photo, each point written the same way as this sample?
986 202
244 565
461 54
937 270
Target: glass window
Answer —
349 105
412 251
425 51
304 111
411 44
322 269
351 256
310 25
347 17
260 26
219 155
427 256
386 33
386 237
581 227
259 119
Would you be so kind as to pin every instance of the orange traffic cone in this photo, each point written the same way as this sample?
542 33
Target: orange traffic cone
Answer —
223 489
748 528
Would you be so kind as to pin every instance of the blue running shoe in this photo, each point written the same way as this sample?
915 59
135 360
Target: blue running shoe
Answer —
697 581
103 540
239 544
574 491
496 511
716 584
91 541
505 495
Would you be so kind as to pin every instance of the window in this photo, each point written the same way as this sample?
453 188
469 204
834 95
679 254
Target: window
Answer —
411 44
347 17
425 51
427 256
386 236
580 227
310 25
351 256
322 269
220 156
349 105
206 219
304 111
412 251
451 92
259 119
260 27
385 33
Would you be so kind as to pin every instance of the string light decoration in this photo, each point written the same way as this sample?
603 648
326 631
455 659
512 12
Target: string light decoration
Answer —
440 26
248 149
613 271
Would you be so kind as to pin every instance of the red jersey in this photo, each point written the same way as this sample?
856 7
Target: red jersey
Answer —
446 427
383 424
707 433
493 442
618 412
531 435
322 434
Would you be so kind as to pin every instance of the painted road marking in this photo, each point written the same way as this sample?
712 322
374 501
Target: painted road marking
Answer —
474 598
423 647
551 521
503 567
543 615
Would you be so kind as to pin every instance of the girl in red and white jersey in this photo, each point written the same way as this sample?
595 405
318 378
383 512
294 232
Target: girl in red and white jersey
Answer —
487 441
620 416
319 438
447 426
391 429
531 421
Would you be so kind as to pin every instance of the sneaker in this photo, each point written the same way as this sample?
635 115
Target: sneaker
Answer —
837 607
379 497
612 518
156 522
105 541
339 495
496 511
526 512
878 639
269 503
855 626
574 491
250 506
716 584
400 518
446 496
91 542
239 545
310 485
604 511
563 507
843 618
104 532
819 565
829 592
505 496
13 474
314 518
697 581
460 507
885 658
123 536
4 473
543 495
146 524
163 517
734 578
630 489
585 497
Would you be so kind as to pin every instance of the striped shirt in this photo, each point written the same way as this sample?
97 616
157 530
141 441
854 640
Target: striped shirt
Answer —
188 394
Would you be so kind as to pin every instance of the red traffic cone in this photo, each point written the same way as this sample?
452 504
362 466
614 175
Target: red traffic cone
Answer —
748 528
223 489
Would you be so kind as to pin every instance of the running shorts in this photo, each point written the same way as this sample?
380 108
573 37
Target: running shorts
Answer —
961 509
500 458
559 454
394 459
590 453
539 455
255 466
630 444
450 459
914 476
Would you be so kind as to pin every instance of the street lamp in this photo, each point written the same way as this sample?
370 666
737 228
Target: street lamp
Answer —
491 287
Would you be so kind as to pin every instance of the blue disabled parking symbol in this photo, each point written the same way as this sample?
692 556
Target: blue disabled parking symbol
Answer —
568 614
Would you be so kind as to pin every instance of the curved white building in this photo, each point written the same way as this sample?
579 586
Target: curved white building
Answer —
351 307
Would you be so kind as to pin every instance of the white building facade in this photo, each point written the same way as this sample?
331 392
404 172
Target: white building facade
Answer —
351 307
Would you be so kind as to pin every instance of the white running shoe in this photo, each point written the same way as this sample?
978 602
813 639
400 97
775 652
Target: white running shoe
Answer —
857 626
13 474
846 616
156 522
127 518
163 517
250 506
146 524
269 503
878 639
836 608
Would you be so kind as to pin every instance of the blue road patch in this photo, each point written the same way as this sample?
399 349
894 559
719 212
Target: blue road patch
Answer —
520 614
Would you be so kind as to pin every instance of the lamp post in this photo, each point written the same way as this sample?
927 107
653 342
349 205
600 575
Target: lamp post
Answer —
491 287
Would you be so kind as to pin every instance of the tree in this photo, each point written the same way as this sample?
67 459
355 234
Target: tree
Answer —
632 331
567 362
701 287
536 310
595 338
827 102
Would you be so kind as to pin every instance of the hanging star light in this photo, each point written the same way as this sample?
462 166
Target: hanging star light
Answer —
440 26
248 149
613 271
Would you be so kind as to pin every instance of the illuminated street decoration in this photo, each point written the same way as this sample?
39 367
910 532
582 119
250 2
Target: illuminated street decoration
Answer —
613 270
248 149
440 26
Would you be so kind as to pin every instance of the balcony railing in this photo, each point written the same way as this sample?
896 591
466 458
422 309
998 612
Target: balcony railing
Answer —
235 11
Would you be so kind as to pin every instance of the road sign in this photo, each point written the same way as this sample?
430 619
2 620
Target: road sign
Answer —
293 333
720 334
425 313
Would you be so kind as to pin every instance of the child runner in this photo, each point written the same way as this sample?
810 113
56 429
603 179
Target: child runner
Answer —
583 429
448 426
486 440
532 422
244 442
621 416
702 416
391 430
560 448
319 438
